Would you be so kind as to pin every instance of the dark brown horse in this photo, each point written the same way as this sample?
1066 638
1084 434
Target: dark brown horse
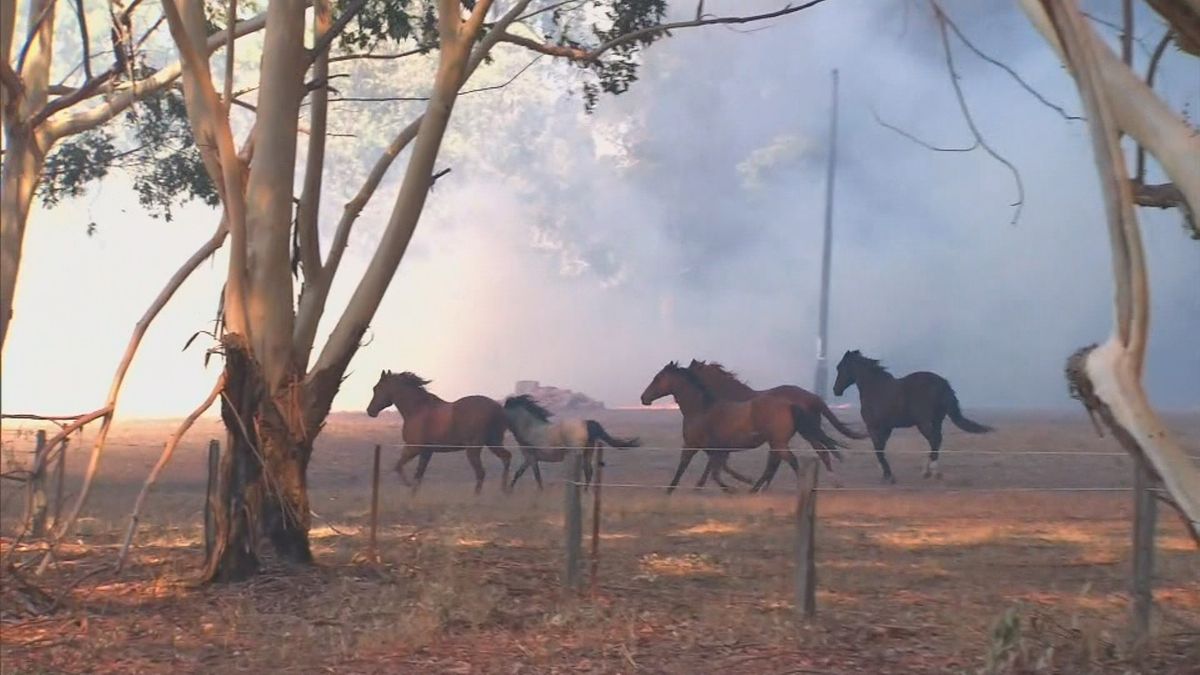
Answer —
435 425
920 399
725 384
719 427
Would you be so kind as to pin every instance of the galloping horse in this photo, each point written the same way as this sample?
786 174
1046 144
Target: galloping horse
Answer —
435 425
920 399
727 426
545 441
725 384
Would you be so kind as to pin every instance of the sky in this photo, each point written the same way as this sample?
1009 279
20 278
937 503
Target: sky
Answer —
681 220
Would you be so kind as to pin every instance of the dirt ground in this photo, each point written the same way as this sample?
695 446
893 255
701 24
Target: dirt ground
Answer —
995 567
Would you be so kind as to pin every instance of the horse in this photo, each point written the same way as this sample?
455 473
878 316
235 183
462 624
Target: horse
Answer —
545 441
724 383
432 424
920 399
710 423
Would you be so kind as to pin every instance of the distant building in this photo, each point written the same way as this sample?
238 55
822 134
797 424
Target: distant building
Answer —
556 399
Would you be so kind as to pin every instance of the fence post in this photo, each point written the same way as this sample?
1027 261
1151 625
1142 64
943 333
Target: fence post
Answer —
573 522
806 527
372 554
1145 512
60 472
597 486
214 468
35 489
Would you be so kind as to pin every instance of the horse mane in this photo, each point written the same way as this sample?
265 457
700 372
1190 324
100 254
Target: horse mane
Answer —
870 363
411 379
531 406
729 378
705 392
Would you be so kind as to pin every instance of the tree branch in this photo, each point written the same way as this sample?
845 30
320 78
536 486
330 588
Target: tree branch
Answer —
1003 66
127 96
966 111
1109 378
84 40
918 141
579 54
465 92
310 196
1151 73
377 57
163 459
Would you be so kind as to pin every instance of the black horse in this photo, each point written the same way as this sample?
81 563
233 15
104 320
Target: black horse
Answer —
920 399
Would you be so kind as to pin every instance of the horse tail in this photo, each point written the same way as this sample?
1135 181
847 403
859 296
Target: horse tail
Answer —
956 416
811 432
845 429
595 433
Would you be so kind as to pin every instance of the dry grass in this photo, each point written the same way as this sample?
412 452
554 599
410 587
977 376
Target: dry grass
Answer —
910 582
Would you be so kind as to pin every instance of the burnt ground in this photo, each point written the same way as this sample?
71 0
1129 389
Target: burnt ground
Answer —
916 578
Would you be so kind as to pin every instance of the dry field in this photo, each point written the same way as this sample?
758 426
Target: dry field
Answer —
910 581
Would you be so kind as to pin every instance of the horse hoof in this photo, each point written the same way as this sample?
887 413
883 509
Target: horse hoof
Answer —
889 480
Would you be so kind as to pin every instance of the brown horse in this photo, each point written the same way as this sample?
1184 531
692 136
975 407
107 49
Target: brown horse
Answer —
920 399
725 384
720 427
434 425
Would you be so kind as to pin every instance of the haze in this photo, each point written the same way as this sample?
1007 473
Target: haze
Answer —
682 220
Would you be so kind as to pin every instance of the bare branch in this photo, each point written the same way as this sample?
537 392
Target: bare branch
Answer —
34 29
465 92
966 111
377 57
577 54
1151 73
1003 66
1108 378
163 459
918 141
10 81
83 35
310 196
230 27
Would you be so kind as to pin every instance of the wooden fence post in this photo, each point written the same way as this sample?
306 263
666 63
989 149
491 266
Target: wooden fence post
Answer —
573 522
806 527
372 552
597 486
35 490
210 496
60 473
1145 512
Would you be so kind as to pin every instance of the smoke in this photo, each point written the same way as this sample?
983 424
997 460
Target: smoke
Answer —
683 220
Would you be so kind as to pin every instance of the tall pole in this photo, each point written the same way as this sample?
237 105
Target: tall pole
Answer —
821 380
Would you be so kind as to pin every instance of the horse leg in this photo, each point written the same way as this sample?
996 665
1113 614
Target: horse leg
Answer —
685 458
505 456
528 459
422 464
587 468
537 474
879 438
825 454
932 431
406 456
740 477
718 459
474 457
773 459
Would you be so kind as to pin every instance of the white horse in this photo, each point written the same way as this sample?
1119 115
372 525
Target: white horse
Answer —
545 441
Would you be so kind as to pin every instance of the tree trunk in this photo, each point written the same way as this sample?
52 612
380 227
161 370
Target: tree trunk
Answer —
23 161
263 488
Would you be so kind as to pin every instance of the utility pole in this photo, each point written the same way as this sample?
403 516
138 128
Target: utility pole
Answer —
821 380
